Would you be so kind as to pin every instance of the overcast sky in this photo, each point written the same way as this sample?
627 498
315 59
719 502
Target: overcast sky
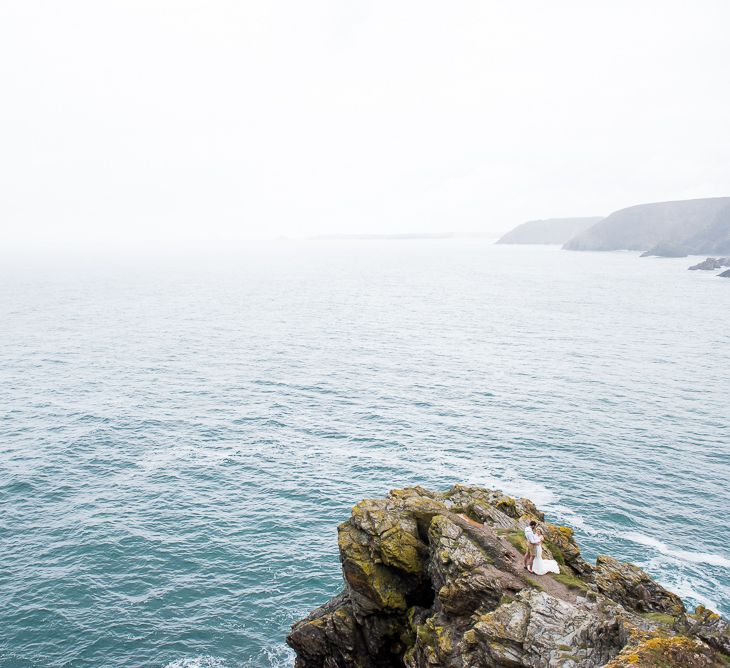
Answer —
151 119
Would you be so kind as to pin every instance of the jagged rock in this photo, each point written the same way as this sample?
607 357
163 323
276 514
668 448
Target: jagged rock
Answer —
382 558
633 588
561 543
711 263
661 652
462 572
435 580
330 637
712 628
489 505
541 631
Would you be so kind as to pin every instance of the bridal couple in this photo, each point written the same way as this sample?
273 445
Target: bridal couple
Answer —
533 560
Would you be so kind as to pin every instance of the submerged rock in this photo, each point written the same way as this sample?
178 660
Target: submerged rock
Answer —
435 580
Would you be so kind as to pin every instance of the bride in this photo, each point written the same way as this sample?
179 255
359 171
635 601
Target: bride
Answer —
542 566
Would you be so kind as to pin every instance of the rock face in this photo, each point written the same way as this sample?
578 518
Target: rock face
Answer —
435 580
725 274
711 263
688 227
548 231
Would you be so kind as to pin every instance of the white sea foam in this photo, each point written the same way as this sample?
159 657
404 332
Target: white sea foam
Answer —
685 591
573 519
277 656
681 555
197 662
515 485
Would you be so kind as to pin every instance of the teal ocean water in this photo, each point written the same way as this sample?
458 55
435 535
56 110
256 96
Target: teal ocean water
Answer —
180 435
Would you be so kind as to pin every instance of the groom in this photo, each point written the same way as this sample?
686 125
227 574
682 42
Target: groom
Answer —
532 542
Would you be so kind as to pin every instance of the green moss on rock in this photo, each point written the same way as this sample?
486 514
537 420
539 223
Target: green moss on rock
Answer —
571 581
517 540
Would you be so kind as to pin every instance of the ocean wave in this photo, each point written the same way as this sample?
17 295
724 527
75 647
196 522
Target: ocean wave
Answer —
681 555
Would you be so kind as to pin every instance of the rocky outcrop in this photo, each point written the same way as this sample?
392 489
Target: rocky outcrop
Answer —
725 274
711 263
548 231
676 229
631 587
711 627
538 629
435 580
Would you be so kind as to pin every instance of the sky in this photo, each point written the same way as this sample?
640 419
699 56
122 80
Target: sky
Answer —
124 121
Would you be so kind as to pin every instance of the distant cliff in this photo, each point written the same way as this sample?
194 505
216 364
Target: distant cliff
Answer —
548 231
687 227
435 580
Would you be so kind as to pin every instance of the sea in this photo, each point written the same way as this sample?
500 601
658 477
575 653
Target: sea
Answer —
181 431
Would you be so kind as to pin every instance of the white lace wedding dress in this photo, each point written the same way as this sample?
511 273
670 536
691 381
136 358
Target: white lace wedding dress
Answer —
542 566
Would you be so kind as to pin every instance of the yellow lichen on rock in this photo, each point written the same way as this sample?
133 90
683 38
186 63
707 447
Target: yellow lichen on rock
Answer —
668 652
374 581
401 550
